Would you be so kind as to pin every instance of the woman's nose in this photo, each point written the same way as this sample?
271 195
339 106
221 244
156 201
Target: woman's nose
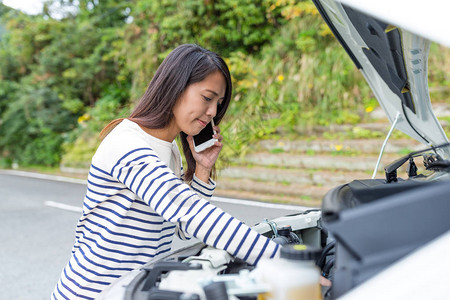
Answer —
212 109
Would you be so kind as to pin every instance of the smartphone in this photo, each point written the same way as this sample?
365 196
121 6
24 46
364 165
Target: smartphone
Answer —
205 139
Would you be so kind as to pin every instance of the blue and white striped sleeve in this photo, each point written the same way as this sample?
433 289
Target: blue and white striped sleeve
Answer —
205 190
144 174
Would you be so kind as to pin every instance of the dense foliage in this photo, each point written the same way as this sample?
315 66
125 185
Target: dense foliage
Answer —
66 73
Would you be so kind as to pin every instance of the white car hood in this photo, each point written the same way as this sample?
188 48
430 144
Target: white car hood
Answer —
395 64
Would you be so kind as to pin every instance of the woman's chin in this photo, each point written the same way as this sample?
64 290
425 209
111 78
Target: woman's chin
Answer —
192 132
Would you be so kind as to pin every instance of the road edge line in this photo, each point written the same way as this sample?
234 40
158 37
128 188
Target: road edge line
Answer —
63 206
43 176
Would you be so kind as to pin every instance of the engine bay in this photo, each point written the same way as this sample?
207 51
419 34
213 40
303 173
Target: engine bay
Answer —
203 272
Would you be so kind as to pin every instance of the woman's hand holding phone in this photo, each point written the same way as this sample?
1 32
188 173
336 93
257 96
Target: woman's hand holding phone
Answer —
206 159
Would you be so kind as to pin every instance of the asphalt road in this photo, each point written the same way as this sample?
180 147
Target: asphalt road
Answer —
37 230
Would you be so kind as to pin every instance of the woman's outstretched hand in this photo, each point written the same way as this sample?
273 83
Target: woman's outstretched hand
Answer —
206 159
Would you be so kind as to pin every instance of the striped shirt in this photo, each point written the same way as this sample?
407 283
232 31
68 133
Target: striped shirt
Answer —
134 204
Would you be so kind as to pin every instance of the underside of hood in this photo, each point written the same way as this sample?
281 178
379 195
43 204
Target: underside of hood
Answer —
394 62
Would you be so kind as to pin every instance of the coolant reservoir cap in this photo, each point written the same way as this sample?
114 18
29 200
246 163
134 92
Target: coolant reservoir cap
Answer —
300 252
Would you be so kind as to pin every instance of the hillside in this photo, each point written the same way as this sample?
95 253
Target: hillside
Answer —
62 80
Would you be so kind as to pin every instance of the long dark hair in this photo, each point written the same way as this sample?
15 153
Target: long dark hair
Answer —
185 65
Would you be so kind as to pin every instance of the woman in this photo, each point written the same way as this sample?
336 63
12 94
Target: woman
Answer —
137 198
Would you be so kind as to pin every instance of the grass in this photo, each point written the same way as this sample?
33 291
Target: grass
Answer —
276 150
404 151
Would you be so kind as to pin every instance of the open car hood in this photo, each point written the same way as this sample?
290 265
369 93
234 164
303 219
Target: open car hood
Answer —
395 64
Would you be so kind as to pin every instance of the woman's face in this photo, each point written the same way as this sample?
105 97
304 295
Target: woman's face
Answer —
198 104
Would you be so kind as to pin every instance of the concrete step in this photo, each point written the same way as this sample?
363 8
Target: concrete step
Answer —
376 121
440 109
271 192
270 187
319 161
357 147
299 177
